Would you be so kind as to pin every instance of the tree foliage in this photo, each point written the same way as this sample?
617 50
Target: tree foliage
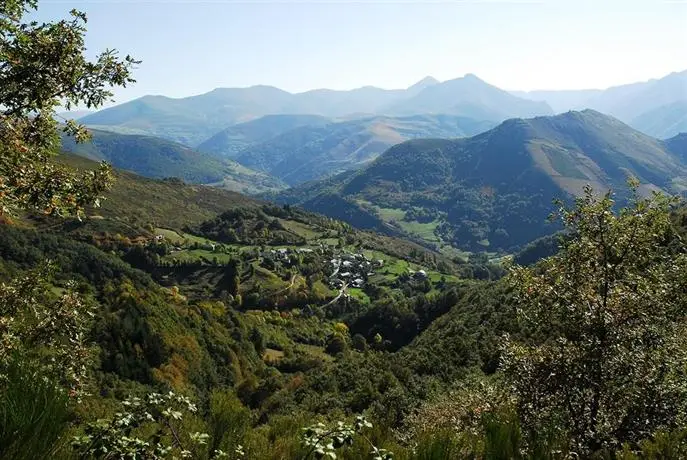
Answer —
605 364
42 67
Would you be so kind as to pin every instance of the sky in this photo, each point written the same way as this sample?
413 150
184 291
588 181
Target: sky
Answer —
190 47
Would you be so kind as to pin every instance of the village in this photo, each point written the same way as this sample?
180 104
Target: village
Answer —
348 269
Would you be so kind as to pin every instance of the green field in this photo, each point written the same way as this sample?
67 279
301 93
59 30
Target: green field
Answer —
300 229
359 294
389 214
193 255
176 237
419 230
424 231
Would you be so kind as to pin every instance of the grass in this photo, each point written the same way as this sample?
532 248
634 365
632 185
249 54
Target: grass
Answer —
424 231
300 229
192 255
272 355
389 214
269 281
359 294
178 237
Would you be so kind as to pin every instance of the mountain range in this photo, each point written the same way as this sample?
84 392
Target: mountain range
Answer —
159 158
495 190
317 147
657 107
193 120
459 162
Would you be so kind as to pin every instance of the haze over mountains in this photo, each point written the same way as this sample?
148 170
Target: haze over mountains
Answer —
159 158
345 152
195 119
324 148
656 107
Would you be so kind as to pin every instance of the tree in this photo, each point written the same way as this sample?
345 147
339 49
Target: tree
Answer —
258 340
336 344
359 343
44 328
43 67
606 365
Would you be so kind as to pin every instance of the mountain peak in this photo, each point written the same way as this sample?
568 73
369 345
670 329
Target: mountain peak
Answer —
427 81
422 84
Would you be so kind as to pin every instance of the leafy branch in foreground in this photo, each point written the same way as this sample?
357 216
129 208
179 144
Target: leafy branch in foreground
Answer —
43 67
45 328
323 441
147 428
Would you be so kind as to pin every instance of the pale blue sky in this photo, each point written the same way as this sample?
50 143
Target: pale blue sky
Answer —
191 46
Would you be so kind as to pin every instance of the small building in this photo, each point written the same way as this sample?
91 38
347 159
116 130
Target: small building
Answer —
420 274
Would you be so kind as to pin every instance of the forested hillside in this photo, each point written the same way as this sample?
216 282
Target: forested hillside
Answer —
159 158
154 318
496 190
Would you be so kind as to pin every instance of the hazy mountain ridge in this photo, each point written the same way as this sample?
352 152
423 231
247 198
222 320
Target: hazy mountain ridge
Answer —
193 120
665 121
316 151
657 107
471 97
496 189
236 138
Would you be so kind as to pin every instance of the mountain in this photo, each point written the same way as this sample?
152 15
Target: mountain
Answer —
232 140
640 104
421 85
73 114
663 122
628 102
194 120
469 97
327 102
160 158
561 101
678 146
167 203
496 189
316 151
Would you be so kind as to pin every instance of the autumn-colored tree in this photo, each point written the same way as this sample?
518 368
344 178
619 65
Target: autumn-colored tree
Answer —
606 364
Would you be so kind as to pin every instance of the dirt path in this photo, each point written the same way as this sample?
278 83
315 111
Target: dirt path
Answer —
335 299
287 288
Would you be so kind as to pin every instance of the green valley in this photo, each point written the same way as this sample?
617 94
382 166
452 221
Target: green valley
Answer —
440 271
